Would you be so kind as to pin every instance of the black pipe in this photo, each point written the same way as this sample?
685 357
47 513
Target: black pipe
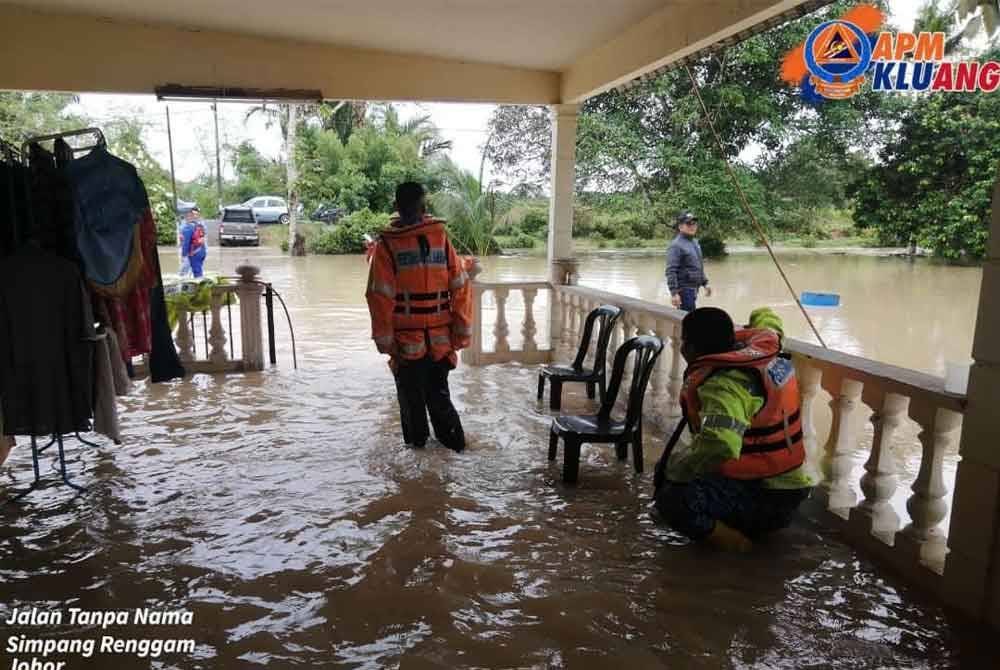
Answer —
269 302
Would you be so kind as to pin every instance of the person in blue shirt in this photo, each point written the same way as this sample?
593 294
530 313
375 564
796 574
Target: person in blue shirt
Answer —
193 242
685 266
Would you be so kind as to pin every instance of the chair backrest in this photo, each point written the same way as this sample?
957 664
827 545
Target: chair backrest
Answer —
647 349
606 316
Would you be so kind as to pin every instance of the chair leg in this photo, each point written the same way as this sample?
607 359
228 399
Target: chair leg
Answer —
555 394
621 450
637 448
553 444
602 385
571 459
591 390
541 386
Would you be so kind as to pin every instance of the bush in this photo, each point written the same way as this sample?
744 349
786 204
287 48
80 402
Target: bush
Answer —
518 241
583 222
630 242
535 222
348 236
712 247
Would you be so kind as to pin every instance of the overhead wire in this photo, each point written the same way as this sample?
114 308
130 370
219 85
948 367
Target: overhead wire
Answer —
746 204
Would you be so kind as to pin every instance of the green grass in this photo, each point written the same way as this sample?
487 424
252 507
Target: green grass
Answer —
272 235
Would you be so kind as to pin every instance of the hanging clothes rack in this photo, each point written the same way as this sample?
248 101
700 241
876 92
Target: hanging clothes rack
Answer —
97 133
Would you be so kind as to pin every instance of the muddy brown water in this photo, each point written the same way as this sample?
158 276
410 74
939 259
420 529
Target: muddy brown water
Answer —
281 509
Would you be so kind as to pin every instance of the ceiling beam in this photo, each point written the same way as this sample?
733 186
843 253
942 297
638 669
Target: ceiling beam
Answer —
64 52
677 30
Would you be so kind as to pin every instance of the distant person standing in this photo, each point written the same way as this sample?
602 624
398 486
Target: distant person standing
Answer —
193 247
685 265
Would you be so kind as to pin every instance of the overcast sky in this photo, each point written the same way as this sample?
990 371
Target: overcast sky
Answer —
193 127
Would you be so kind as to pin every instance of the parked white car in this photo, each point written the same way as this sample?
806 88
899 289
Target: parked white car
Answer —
268 209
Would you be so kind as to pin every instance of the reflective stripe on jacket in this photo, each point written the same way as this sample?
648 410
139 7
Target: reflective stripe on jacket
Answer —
418 292
772 443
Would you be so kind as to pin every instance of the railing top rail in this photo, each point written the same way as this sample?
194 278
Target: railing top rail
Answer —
513 284
625 302
898 379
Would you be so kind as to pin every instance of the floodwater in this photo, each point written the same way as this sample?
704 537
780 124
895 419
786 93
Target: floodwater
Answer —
281 509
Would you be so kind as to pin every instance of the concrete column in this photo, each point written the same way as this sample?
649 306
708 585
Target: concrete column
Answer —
564 120
972 573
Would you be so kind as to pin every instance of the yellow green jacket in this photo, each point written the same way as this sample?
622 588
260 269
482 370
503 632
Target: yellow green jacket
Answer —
736 396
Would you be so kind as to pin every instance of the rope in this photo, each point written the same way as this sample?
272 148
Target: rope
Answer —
746 204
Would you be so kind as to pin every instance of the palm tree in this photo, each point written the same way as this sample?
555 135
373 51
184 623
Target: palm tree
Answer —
469 209
420 129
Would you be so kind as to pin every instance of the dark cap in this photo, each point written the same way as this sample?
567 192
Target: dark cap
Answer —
195 209
686 217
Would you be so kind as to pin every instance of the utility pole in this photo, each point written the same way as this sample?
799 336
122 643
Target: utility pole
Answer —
170 146
218 158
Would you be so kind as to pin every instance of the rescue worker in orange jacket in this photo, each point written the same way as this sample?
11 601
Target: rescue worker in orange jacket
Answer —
419 297
743 473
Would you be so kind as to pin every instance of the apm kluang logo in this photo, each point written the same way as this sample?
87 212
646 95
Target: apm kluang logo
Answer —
839 57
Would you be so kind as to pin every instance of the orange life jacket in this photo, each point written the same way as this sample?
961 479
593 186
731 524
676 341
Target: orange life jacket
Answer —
418 292
772 445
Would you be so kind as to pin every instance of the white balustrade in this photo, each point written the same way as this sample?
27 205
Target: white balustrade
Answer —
498 348
219 336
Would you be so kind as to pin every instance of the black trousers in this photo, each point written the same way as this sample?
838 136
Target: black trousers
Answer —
422 388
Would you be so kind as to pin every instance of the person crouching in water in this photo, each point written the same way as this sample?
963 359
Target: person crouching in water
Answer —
743 474
419 297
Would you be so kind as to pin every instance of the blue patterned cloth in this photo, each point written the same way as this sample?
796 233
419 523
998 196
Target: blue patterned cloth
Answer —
108 201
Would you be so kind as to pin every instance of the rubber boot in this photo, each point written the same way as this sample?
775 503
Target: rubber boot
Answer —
728 538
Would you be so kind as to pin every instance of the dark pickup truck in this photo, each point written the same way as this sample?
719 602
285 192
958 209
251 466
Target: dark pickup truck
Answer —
238 226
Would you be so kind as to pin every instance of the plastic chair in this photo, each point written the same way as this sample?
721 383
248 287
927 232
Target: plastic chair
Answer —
602 427
557 374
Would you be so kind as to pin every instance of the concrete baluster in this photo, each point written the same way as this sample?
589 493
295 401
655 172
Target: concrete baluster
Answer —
928 507
675 378
809 386
217 334
837 461
875 513
501 330
184 340
566 306
528 328
658 383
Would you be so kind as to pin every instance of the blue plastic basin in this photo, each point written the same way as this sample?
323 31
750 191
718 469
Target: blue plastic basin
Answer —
814 299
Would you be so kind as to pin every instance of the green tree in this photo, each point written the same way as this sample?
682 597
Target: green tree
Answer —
255 173
363 172
24 115
469 209
933 181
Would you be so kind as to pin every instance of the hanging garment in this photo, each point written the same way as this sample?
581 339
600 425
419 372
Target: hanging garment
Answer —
6 441
123 383
113 216
45 345
105 406
108 205
51 205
